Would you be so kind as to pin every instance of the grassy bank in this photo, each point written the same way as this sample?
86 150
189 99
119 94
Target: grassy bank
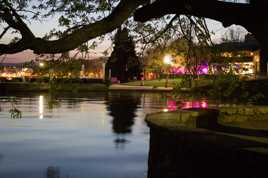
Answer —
155 83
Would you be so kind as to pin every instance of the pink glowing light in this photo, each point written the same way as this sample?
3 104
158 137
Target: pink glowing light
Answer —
194 105
205 70
171 105
204 104
201 70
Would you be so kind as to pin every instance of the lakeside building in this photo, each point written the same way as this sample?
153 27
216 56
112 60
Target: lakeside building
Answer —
242 58
92 69
14 70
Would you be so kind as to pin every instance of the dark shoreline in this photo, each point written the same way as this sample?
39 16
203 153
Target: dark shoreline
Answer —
28 87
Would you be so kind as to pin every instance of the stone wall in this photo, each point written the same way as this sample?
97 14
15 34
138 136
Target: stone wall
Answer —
188 150
243 114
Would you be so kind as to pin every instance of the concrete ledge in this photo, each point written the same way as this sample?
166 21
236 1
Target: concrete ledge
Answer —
202 120
186 120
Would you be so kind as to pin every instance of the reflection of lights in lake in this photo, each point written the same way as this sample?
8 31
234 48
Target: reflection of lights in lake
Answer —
165 110
194 104
172 105
41 107
204 104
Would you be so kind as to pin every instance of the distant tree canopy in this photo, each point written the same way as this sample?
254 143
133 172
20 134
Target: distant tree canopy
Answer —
124 63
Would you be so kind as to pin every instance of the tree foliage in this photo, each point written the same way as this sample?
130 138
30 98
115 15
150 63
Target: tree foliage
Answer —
80 21
124 63
81 24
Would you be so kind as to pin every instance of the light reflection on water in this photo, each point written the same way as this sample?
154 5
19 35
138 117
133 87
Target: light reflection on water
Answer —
100 135
194 104
41 107
173 105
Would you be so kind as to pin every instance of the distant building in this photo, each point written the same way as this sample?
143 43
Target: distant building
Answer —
244 57
94 68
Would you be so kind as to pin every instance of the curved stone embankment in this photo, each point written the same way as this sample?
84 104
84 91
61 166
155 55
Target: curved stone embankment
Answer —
188 144
250 117
248 110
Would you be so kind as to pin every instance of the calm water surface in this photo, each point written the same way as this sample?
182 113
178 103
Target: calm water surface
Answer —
100 135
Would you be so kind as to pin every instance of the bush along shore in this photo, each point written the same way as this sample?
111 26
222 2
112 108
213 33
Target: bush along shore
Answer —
227 88
64 85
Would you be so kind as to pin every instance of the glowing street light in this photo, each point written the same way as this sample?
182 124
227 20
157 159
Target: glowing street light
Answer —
41 64
167 61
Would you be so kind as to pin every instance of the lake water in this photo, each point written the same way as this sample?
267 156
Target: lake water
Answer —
99 135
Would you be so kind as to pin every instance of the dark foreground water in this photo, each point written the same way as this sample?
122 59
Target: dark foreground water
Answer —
100 135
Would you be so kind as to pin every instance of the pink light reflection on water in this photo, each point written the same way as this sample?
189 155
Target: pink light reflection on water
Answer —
172 105
194 105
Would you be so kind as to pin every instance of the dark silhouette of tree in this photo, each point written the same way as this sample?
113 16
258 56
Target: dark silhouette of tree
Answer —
53 172
123 63
122 107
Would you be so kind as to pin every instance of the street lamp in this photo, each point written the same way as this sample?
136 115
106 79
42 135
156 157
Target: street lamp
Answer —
167 61
41 64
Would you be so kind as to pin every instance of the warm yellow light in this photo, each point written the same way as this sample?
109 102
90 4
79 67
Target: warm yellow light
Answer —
167 60
165 110
41 64
41 107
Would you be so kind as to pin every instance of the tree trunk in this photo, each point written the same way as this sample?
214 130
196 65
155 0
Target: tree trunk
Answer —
260 36
263 60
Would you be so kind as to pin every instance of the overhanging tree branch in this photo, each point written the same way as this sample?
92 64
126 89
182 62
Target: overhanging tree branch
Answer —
79 36
252 16
13 19
227 13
